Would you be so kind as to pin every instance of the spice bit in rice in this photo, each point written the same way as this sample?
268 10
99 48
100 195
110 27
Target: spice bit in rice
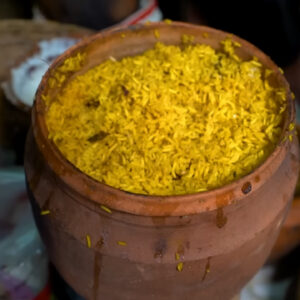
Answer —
291 137
88 241
97 137
122 243
293 96
123 35
92 103
156 34
45 212
177 256
106 209
179 266
171 131
168 21
205 35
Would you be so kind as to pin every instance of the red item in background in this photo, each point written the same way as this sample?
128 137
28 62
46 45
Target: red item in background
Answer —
45 294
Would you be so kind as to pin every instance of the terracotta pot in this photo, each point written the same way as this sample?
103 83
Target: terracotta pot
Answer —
222 236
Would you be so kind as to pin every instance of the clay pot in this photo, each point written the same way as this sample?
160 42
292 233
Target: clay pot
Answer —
222 236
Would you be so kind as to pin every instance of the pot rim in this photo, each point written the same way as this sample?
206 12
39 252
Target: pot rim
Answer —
89 189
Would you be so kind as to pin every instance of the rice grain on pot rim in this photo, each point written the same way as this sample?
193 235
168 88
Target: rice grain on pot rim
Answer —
173 120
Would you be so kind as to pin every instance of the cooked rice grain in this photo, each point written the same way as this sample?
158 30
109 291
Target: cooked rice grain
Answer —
173 120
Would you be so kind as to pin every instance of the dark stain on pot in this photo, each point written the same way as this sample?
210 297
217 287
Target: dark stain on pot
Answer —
46 205
97 271
247 187
160 248
180 250
35 179
87 189
221 219
224 199
185 220
100 243
256 179
207 269
294 158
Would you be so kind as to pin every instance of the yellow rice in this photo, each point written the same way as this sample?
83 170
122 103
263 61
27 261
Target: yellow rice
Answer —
173 120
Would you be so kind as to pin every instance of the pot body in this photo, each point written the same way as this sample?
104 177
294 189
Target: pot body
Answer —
108 244
220 249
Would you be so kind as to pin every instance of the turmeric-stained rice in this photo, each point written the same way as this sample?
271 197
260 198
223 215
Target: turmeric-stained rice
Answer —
173 120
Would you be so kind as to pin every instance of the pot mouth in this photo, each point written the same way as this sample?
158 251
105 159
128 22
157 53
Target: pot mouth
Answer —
91 190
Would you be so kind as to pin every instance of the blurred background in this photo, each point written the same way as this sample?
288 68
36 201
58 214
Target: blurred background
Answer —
34 32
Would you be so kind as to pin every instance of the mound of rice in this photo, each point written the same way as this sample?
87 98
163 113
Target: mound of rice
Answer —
173 120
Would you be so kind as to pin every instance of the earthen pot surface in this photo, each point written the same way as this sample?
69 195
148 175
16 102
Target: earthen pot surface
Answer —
222 236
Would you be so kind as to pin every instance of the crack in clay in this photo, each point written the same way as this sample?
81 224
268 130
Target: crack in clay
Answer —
97 271
46 205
